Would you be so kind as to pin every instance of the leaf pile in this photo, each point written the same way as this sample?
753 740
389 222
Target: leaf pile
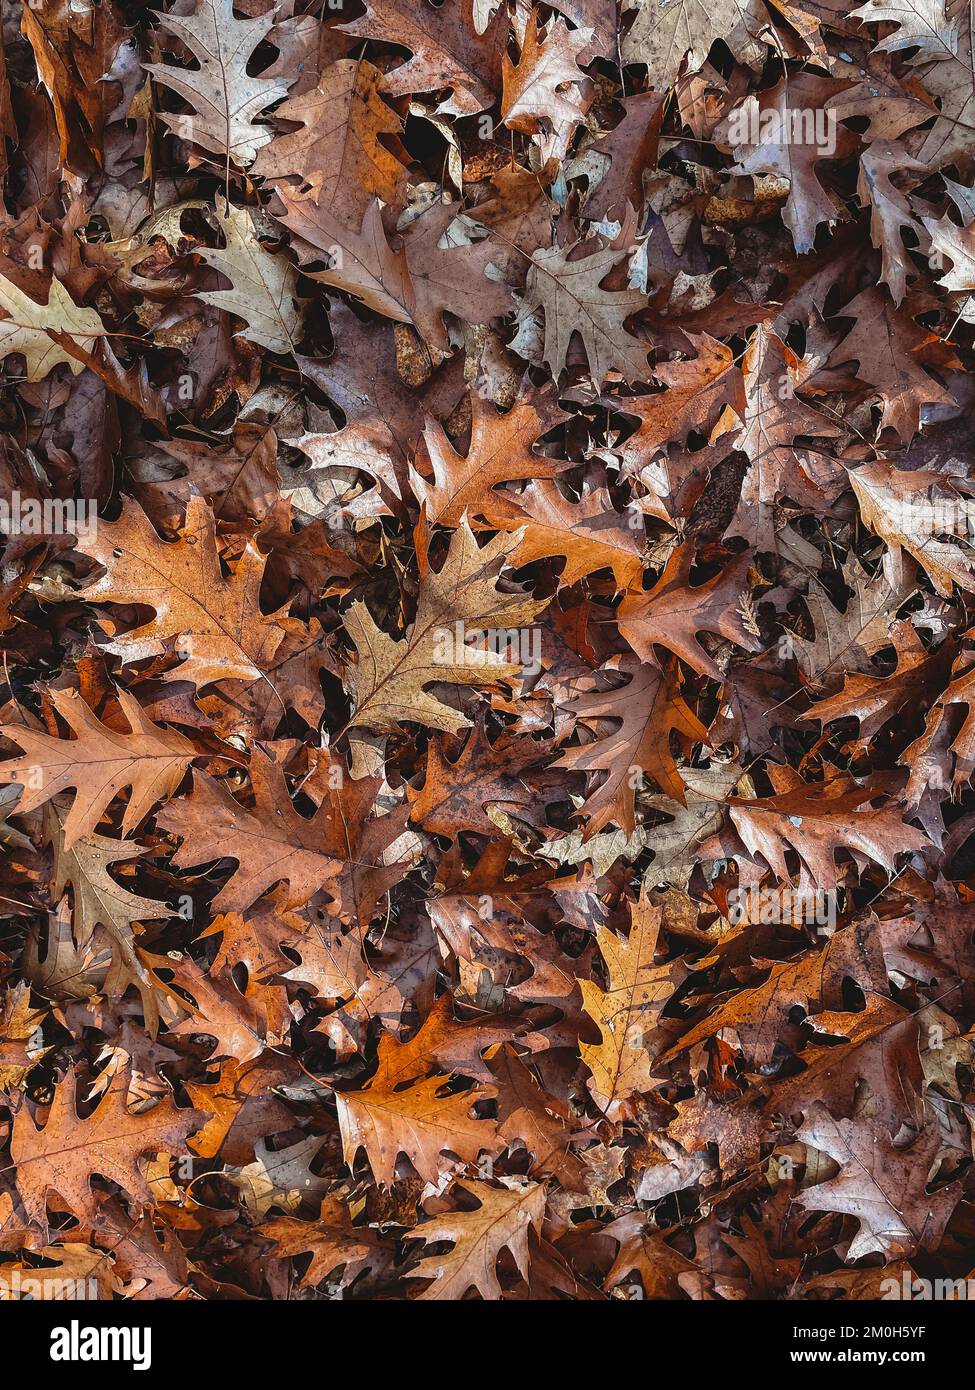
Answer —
488 610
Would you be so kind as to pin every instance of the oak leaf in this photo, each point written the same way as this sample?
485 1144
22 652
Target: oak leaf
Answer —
447 49
501 450
905 510
675 612
454 278
100 901
883 1188
890 209
63 1156
502 1221
570 294
694 393
884 343
628 1012
543 86
663 34
589 534
263 287
338 147
789 153
272 844
421 1121
846 641
25 326
97 764
919 24
388 680
817 822
360 260
215 623
225 98
649 707
457 793
774 418
332 1241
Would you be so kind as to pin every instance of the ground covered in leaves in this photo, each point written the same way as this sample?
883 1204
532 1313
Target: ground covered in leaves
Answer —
488 705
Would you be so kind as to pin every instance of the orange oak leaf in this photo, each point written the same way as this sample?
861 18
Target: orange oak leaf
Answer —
214 623
648 707
63 1155
422 1121
97 764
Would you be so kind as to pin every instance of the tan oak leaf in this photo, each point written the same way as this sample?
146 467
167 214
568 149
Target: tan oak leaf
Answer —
458 606
503 1219
225 98
25 326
